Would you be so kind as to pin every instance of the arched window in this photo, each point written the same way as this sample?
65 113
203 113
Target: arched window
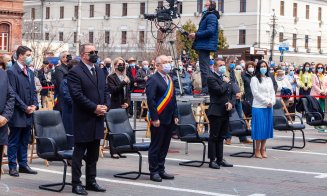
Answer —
4 37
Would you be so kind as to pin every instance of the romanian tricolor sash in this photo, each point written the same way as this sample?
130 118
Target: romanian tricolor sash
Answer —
163 101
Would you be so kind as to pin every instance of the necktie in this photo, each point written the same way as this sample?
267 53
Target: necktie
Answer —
93 72
25 70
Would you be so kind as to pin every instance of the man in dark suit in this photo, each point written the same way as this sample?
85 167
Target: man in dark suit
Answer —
21 79
107 67
162 120
7 104
222 102
60 72
87 86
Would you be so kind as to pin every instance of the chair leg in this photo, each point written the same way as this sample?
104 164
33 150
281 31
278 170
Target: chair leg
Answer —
293 143
126 175
62 184
320 141
245 154
199 163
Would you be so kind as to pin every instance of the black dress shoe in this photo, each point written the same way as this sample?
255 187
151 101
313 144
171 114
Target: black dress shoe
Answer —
95 187
156 178
27 170
224 163
214 165
166 176
13 172
79 190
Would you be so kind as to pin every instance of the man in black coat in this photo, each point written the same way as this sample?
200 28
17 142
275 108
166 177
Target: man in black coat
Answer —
60 72
87 87
222 102
7 104
162 121
21 79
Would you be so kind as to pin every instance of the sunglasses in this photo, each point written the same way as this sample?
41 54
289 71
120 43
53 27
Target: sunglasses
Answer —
239 69
92 52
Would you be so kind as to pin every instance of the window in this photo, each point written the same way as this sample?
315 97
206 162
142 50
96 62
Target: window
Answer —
142 8
199 5
124 9
33 13
108 10
62 12
319 42
307 11
4 37
180 8
282 4
107 37
47 13
123 37
294 9
281 37
306 42
141 37
46 36
90 37
242 5
91 11
75 37
319 13
76 12
242 35
61 36
221 5
294 41
160 4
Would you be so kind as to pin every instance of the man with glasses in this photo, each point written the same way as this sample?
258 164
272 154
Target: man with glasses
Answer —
88 89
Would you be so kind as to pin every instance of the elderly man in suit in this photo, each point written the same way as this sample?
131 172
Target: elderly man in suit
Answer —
222 102
7 104
163 115
21 79
87 87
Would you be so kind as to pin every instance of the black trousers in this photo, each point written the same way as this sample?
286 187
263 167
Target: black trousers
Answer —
219 126
204 60
91 159
1 152
160 141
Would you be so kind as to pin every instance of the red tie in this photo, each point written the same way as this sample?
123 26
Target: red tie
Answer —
25 70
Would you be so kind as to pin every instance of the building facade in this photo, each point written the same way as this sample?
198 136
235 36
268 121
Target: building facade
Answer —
117 28
11 20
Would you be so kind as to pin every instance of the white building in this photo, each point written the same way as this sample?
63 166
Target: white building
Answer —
117 27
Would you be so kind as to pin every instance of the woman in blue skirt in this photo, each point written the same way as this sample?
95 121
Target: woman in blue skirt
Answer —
262 108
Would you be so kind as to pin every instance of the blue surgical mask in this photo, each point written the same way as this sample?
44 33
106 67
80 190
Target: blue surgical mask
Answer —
166 68
204 10
320 70
180 68
307 69
232 65
145 67
263 70
283 68
28 60
9 64
132 65
222 69
291 73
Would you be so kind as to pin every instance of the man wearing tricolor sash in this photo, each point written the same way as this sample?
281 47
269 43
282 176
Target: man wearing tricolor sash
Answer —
162 116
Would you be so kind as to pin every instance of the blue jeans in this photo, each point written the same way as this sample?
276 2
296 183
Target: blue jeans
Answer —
238 107
204 60
17 146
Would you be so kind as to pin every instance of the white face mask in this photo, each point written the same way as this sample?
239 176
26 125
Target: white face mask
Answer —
166 68
251 69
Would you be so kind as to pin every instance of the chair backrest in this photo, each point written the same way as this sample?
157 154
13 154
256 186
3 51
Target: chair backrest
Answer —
185 116
309 117
48 124
237 125
279 114
118 122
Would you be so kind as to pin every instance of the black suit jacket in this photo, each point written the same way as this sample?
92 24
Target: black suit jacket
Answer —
119 96
155 88
130 75
220 93
7 104
105 71
25 95
87 92
60 72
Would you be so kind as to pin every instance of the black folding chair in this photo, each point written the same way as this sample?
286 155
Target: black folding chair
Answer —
238 128
51 142
313 119
282 124
187 132
122 139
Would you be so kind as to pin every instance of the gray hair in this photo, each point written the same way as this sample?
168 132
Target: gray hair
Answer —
144 62
62 54
82 48
159 59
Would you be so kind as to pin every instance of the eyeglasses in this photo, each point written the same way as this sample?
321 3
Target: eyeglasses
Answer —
92 52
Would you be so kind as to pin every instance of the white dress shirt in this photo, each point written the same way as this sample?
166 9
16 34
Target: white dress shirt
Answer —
263 93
